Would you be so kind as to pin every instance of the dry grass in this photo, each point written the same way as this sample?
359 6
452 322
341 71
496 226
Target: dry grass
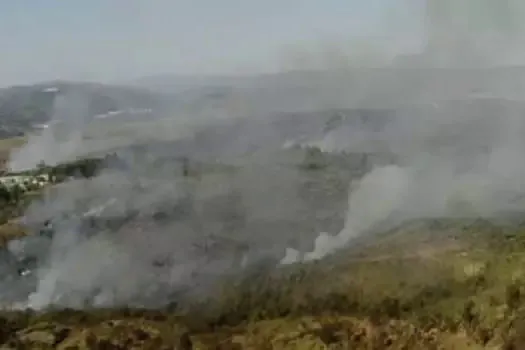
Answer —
462 298
441 284
10 143
6 146
9 231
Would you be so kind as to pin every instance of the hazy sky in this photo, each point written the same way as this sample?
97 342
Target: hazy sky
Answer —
108 40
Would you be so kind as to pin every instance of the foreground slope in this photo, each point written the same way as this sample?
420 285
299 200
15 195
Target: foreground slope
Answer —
456 285
428 284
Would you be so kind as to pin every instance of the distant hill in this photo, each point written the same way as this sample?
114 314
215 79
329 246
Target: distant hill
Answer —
24 108
293 91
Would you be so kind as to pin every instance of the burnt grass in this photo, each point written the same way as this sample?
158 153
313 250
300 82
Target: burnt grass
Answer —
430 284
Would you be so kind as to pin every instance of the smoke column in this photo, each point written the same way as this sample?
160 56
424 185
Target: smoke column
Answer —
60 140
455 158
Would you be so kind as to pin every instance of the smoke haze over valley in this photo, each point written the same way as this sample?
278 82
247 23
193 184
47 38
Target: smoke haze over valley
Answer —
219 175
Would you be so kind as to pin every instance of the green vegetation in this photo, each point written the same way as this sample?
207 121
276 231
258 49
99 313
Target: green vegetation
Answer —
430 295
17 190
313 159
86 167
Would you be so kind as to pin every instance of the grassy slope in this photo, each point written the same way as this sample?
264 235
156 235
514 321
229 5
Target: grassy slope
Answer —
466 295
449 284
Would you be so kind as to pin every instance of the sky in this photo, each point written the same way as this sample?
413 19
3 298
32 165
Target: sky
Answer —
115 40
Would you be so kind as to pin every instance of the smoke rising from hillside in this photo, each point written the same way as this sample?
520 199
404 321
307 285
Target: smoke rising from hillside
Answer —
454 157
60 140
459 157
450 165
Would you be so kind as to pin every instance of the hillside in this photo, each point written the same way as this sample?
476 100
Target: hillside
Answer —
25 108
437 283
457 285
307 90
180 242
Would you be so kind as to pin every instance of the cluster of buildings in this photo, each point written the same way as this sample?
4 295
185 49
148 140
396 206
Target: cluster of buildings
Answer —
25 182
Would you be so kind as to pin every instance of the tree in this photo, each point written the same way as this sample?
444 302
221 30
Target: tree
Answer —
185 166
41 165
5 194
314 159
16 192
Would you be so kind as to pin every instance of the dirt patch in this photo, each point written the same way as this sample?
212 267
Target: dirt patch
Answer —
11 230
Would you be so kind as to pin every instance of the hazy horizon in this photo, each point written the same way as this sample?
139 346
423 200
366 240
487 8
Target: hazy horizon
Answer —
118 41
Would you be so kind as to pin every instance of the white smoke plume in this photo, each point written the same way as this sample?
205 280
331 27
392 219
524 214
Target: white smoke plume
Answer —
60 140
459 155
455 156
